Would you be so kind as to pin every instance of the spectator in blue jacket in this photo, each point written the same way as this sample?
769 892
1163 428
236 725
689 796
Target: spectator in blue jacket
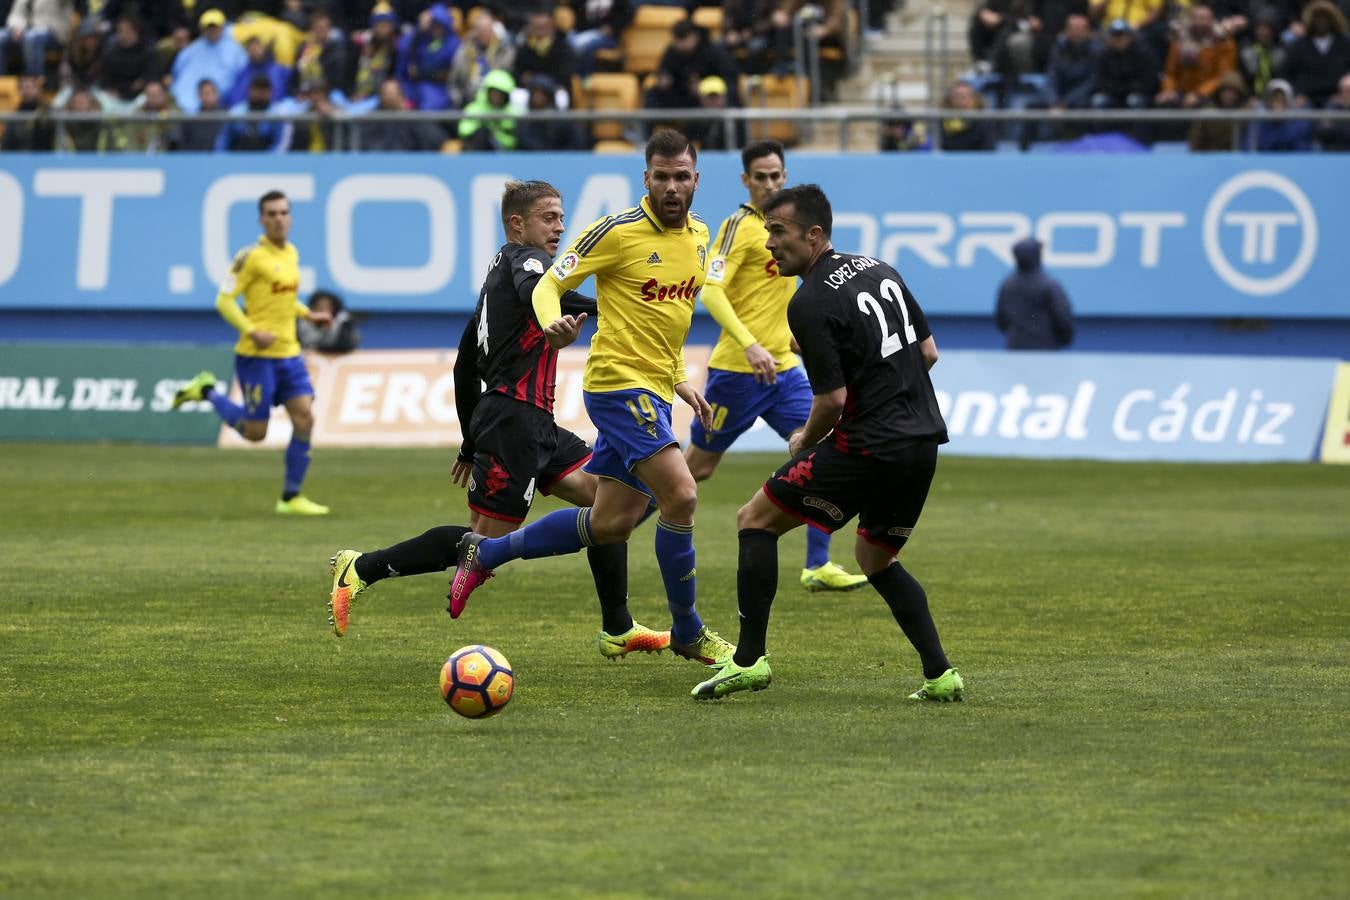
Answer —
1073 64
258 136
1033 311
215 55
425 57
1282 136
260 62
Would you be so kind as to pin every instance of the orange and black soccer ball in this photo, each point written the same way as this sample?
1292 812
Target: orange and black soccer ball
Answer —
477 681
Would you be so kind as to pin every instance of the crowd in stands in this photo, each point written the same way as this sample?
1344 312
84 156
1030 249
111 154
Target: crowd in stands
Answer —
343 60
1154 54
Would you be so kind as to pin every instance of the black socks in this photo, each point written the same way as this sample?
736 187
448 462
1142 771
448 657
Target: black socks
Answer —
909 604
434 550
756 584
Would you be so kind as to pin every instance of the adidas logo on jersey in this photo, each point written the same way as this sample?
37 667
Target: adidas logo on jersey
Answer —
654 259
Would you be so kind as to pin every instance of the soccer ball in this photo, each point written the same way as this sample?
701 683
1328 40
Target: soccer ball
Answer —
477 681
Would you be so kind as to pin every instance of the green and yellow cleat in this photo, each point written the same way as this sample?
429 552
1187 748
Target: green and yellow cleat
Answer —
347 585
300 506
708 648
194 390
946 688
638 639
831 577
732 678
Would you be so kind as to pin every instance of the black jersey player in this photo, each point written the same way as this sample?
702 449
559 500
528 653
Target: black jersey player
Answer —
512 448
868 449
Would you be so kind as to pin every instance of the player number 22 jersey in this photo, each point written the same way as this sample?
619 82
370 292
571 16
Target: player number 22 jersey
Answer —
860 328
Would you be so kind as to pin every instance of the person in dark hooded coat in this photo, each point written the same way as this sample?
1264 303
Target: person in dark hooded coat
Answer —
1033 311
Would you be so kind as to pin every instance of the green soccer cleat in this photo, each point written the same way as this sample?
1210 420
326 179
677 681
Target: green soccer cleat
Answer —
347 585
300 506
708 648
639 638
194 390
732 678
946 688
831 577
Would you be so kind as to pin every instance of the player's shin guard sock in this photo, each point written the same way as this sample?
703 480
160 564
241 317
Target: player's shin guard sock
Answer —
564 531
297 463
817 548
909 604
756 584
675 556
434 550
609 568
231 413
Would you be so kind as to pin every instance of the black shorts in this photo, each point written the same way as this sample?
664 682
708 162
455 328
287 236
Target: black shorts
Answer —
825 487
518 449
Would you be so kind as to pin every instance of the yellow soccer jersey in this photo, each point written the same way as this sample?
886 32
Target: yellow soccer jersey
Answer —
269 278
747 275
646 278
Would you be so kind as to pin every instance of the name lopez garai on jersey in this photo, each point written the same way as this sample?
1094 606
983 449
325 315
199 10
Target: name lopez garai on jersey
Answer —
654 291
840 276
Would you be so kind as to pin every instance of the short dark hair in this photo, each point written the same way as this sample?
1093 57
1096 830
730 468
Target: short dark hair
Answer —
519 197
670 143
810 202
260 81
269 197
759 151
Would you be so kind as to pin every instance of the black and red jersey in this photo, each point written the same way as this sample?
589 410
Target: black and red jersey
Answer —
503 345
860 328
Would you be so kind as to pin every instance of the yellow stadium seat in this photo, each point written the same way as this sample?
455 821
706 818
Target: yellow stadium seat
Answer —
452 145
612 146
607 90
645 39
9 93
775 92
710 19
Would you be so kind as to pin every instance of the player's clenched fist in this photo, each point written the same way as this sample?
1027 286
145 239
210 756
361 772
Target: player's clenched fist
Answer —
563 331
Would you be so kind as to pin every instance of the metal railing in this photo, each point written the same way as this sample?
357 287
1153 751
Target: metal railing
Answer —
347 129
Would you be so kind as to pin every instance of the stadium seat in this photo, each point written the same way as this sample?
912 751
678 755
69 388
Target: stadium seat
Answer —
774 92
607 90
9 93
611 146
646 37
709 18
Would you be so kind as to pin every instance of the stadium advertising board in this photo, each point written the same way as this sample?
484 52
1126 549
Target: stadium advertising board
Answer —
1336 438
67 392
406 398
1224 236
1066 405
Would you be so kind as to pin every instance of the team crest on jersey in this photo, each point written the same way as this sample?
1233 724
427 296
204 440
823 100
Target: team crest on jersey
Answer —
533 265
565 265
702 256
717 271
654 259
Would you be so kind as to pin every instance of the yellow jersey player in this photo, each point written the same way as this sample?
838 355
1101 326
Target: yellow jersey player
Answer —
267 357
649 263
753 372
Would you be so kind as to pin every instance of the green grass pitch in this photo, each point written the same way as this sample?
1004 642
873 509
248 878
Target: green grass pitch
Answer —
1155 659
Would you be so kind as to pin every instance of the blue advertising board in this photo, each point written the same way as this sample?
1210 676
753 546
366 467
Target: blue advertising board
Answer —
1211 236
1126 406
